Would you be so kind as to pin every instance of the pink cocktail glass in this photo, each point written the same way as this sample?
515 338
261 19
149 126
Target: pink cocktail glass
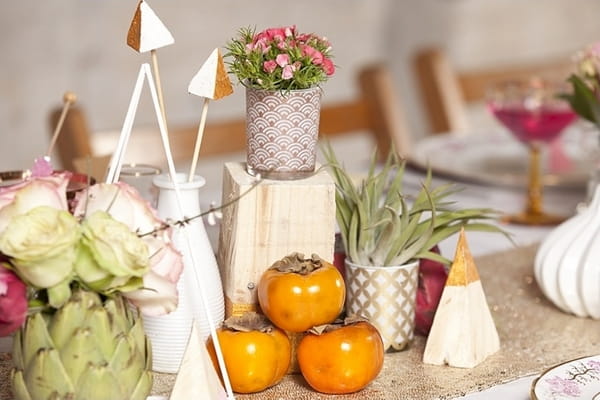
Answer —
534 113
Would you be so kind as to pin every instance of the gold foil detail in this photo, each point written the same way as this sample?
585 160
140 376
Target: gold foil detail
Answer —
463 270
223 85
134 33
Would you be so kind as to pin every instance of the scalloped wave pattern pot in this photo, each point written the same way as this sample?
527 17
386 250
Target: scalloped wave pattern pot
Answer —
282 130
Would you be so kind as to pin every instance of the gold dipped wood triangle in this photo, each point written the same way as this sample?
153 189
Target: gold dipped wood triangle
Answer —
147 32
463 333
211 81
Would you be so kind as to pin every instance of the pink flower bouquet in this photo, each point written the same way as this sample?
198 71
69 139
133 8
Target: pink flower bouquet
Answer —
111 243
280 59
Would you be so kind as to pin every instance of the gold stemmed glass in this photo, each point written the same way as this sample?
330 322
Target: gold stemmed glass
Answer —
535 114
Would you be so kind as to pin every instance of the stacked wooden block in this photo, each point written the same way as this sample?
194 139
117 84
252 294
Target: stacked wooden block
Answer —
271 221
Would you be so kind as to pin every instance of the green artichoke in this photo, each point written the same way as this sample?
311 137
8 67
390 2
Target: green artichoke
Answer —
87 349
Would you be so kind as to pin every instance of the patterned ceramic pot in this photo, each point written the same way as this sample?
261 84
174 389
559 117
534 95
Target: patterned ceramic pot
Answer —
385 296
282 129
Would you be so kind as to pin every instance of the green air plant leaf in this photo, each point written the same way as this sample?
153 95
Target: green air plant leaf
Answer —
380 225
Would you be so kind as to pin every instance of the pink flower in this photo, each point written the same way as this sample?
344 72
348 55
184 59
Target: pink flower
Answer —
290 31
288 72
282 60
13 301
269 66
123 203
328 66
316 57
275 33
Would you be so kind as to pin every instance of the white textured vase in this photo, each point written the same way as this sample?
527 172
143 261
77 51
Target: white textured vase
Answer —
567 264
386 297
169 334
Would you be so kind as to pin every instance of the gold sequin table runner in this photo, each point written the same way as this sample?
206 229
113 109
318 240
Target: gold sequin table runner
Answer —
534 336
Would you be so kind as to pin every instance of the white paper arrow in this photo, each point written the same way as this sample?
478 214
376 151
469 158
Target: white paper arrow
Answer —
147 32
212 83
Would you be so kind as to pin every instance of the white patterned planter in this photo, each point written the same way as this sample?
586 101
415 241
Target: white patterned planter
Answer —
566 264
386 297
282 129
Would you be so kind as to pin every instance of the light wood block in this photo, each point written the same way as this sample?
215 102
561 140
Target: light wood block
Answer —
273 220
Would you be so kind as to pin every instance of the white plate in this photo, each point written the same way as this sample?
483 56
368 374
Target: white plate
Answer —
502 160
576 379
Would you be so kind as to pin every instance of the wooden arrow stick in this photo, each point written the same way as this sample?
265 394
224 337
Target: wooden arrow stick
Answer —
68 98
198 139
158 84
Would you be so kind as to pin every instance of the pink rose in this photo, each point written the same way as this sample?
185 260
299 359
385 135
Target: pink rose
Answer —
288 72
328 66
269 66
41 191
124 204
13 301
282 60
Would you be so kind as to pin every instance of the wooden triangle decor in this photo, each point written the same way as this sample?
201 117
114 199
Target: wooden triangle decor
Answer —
147 32
211 81
197 377
463 333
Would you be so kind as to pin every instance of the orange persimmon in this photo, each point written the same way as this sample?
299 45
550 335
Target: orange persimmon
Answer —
297 294
256 353
343 358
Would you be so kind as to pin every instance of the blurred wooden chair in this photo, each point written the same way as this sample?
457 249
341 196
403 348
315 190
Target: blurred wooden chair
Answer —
376 110
447 92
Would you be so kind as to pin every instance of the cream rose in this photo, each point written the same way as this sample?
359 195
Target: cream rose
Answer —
42 245
111 257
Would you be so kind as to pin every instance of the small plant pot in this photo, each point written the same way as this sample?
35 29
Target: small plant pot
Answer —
282 130
386 297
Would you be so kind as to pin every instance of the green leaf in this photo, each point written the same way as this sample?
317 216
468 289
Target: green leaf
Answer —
583 100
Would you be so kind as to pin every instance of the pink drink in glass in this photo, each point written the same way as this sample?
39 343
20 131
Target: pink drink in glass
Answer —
539 124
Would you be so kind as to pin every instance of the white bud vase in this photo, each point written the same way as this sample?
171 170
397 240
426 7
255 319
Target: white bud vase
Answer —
169 334
566 264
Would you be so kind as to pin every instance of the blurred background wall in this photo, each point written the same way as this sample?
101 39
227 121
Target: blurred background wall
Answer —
48 47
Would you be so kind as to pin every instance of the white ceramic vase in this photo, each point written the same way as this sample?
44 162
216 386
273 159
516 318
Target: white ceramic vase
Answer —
386 297
169 334
567 262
